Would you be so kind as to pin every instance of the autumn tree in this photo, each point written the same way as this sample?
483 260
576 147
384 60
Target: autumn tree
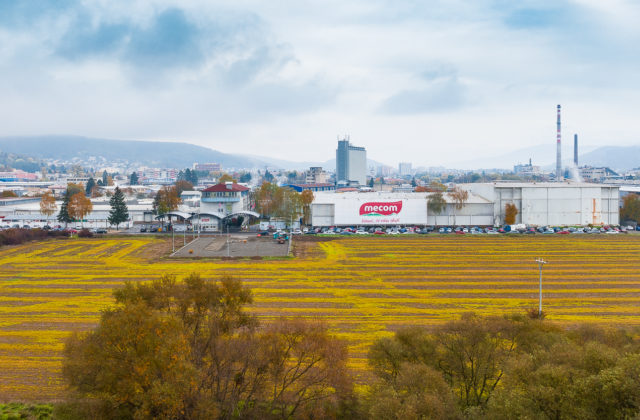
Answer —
226 178
306 198
79 206
459 197
470 354
8 194
435 186
510 213
187 349
165 200
48 204
630 210
436 203
73 189
183 185
266 199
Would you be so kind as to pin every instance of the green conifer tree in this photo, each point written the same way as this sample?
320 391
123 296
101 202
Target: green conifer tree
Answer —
119 212
63 215
90 184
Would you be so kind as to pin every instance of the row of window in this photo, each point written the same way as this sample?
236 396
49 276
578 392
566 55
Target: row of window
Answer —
220 194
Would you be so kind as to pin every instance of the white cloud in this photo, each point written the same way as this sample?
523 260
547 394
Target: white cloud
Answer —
453 79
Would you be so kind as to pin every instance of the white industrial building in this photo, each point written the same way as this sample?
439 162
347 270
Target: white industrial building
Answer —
552 203
388 208
538 204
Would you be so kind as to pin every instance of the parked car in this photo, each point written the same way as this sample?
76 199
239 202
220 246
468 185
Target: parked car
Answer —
100 231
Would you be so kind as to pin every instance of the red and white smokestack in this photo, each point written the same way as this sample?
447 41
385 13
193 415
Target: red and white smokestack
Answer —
559 176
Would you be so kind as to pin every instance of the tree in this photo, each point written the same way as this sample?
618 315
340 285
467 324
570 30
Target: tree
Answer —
268 176
105 178
436 203
630 210
8 194
371 182
245 177
188 349
166 200
79 206
89 187
226 178
471 354
63 214
133 179
119 212
306 197
47 204
73 189
510 213
266 199
183 185
459 197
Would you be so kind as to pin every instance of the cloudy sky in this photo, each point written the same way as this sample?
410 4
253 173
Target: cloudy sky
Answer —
431 82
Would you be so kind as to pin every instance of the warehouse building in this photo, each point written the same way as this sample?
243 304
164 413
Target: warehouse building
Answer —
552 203
538 204
388 208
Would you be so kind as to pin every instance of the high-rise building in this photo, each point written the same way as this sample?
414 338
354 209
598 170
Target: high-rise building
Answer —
351 163
404 168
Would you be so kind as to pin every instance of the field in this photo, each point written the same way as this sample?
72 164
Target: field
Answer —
363 287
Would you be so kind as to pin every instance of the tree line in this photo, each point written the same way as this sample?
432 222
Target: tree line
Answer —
189 350
76 205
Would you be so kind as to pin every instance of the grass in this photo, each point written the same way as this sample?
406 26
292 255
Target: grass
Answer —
362 287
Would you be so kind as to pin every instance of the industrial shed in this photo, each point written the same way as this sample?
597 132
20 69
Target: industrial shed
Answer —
552 204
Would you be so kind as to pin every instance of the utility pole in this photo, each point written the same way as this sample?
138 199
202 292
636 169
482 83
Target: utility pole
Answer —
540 262
228 247
173 241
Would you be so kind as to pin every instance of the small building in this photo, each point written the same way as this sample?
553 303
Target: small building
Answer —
222 202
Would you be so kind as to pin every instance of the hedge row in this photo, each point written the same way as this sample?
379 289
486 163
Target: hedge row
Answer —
19 236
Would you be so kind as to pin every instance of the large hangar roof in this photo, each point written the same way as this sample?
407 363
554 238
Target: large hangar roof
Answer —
547 185
332 197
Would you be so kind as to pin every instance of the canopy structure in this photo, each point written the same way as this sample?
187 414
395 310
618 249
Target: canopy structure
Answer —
197 216
180 214
244 213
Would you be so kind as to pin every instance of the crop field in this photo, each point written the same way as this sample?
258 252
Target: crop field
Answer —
362 287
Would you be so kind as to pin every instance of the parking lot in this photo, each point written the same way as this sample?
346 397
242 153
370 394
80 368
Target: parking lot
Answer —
233 245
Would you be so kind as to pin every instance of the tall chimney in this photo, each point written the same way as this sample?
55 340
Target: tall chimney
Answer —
559 177
575 150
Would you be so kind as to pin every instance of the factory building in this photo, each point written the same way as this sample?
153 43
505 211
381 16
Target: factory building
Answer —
552 204
388 208
538 204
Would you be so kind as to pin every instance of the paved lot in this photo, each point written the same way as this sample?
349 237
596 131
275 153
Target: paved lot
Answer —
236 245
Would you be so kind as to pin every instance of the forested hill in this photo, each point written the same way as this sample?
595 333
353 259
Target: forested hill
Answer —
155 154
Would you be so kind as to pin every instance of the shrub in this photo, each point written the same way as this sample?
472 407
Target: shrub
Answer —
85 233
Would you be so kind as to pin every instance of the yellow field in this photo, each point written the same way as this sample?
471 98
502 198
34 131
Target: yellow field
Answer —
363 287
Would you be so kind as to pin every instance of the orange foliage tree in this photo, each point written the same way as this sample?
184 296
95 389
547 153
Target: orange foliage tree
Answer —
510 213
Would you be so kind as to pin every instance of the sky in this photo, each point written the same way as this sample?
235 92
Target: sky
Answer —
431 82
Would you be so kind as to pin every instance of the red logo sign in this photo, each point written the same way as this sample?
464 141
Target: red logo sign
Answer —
380 209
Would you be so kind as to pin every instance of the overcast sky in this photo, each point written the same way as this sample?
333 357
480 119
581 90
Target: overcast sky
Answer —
431 82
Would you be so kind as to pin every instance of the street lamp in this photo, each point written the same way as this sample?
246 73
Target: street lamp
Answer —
540 262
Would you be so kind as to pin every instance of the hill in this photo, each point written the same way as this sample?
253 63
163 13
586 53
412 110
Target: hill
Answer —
614 157
154 154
